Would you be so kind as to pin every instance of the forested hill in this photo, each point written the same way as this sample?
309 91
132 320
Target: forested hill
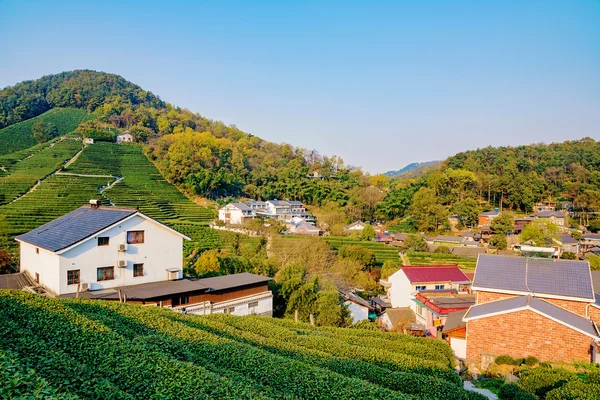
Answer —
79 89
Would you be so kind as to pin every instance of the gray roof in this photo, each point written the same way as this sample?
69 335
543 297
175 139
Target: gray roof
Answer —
15 281
454 320
74 227
279 203
534 275
596 281
295 203
349 296
489 213
594 236
241 206
167 288
467 234
567 239
550 310
378 300
401 236
547 214
442 238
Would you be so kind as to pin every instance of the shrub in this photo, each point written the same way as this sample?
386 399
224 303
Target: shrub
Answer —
442 250
508 360
531 361
567 255
575 390
540 381
511 391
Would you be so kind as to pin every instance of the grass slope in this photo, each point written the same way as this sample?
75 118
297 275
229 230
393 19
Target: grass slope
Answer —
382 252
18 136
94 349
423 258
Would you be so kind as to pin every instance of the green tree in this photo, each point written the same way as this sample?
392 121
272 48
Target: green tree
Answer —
43 131
304 299
426 210
498 241
503 223
368 232
358 253
389 267
539 232
330 310
467 211
415 242
207 262
594 261
289 278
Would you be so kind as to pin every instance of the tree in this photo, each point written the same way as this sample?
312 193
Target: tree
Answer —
415 242
389 267
467 211
368 232
576 235
568 255
208 262
304 299
330 310
498 241
428 213
539 232
442 250
358 253
594 261
6 262
503 223
289 278
43 131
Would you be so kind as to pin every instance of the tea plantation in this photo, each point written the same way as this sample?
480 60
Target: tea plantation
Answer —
382 252
106 350
18 136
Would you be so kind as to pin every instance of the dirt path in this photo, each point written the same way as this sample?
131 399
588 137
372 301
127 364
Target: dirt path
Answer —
469 386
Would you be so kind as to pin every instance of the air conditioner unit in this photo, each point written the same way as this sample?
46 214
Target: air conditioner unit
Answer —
84 287
123 247
122 263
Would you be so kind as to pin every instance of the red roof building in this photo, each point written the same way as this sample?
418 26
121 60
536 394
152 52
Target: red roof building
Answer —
435 273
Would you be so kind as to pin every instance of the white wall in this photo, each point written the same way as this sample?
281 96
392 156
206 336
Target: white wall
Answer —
357 311
45 263
264 307
161 250
235 214
459 346
400 291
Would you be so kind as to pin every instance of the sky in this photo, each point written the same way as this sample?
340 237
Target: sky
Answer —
379 83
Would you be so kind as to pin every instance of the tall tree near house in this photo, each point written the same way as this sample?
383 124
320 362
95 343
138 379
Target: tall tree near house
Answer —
6 262
467 211
428 213
368 232
541 233
415 242
43 131
503 223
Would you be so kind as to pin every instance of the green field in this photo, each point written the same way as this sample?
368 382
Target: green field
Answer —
422 258
109 350
19 137
382 252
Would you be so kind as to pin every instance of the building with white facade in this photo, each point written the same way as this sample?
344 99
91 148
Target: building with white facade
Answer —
236 213
280 210
125 137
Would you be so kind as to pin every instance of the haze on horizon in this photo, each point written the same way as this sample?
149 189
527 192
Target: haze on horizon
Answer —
381 85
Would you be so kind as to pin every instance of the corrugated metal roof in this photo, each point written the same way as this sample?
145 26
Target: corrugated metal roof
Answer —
74 227
434 273
528 302
534 275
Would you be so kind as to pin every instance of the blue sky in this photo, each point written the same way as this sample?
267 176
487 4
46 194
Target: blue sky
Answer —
381 84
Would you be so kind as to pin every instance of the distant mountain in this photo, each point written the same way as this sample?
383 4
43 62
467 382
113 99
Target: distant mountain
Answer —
413 168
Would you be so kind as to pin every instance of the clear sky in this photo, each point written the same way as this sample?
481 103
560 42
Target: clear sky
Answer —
381 84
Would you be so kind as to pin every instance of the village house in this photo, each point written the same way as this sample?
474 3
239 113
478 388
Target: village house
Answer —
257 205
359 308
544 206
357 226
568 244
120 254
555 217
125 137
433 307
302 227
236 213
590 240
284 211
486 218
455 333
408 280
442 240
532 307
401 320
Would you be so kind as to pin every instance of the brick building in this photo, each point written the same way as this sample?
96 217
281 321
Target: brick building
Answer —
533 307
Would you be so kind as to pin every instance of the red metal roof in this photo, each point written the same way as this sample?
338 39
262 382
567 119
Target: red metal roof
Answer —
434 273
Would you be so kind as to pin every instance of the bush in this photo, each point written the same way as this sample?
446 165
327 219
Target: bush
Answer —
508 360
358 253
511 391
567 255
540 381
531 361
575 390
442 250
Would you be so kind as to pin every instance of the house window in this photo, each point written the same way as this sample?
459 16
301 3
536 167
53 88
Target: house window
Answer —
420 310
103 241
417 288
135 237
253 304
138 270
439 287
105 274
73 277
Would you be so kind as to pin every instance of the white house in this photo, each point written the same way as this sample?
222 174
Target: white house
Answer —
236 213
555 217
100 248
88 140
278 208
404 283
358 307
356 226
125 137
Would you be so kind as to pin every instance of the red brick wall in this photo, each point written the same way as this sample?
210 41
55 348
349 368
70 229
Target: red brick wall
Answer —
486 297
577 307
525 333
594 314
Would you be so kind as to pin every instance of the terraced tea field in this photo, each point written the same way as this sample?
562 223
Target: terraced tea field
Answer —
90 349
421 258
382 252
18 137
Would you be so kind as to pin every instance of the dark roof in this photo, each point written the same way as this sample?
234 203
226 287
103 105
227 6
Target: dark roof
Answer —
295 203
567 239
279 203
489 213
74 227
442 238
378 300
534 275
468 251
241 206
596 281
15 281
396 314
349 296
434 273
401 236
454 321
547 214
528 302
166 288
594 236
467 234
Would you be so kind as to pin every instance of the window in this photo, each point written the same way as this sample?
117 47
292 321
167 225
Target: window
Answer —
138 270
439 287
72 277
103 241
135 237
420 310
253 304
37 251
420 288
105 274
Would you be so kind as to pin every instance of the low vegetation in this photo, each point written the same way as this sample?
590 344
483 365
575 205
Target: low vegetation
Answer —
88 349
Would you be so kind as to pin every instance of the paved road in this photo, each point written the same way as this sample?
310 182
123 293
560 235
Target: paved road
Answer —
469 386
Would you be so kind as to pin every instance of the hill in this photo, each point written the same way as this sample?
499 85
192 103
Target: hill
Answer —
414 168
19 136
95 349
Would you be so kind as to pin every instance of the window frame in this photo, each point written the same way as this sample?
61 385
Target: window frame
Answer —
253 304
133 239
440 287
102 238
73 281
420 287
110 268
137 274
